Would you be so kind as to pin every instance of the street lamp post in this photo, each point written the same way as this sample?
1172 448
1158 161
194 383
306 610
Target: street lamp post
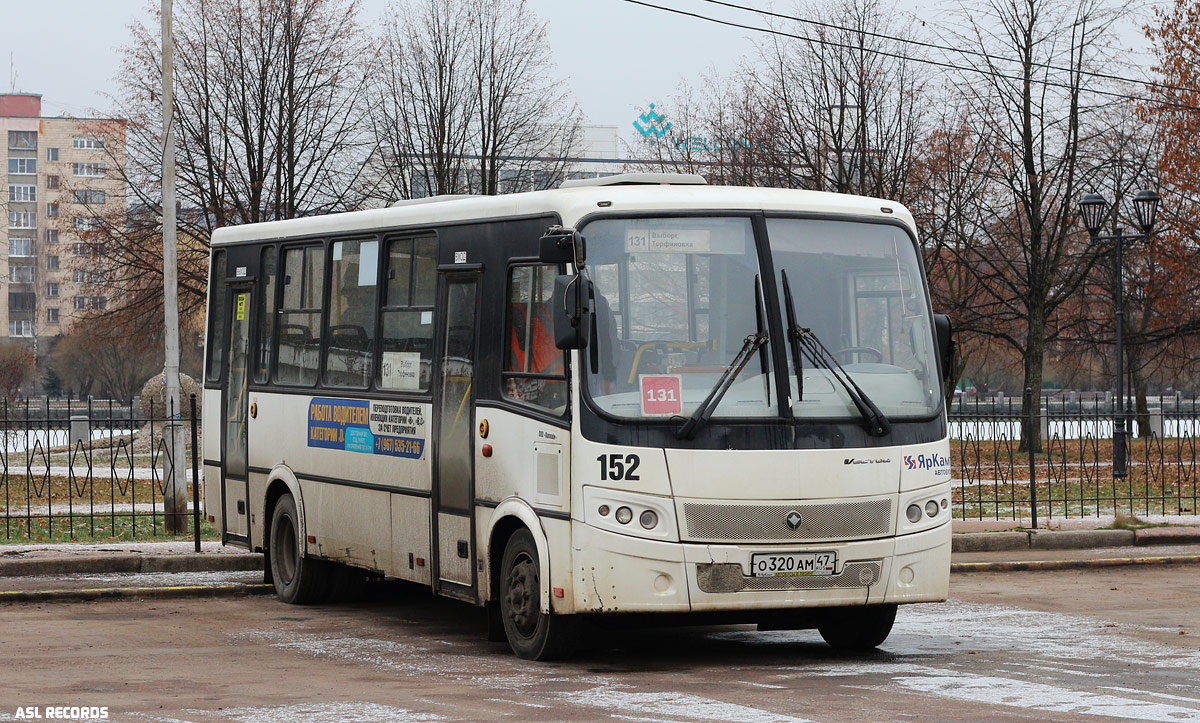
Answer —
1093 208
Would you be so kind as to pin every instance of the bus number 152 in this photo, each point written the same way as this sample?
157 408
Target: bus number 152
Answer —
618 467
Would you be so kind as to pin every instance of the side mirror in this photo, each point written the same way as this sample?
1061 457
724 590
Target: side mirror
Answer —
561 245
944 331
572 317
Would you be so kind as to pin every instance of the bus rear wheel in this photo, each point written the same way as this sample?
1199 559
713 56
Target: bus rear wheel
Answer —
298 579
532 634
858 628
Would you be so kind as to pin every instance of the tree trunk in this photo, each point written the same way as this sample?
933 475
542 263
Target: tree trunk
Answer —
957 366
1141 407
1035 351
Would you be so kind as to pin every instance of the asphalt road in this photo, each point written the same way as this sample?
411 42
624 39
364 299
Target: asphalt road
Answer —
1070 645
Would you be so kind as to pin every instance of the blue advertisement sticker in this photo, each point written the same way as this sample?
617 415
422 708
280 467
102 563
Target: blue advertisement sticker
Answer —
359 426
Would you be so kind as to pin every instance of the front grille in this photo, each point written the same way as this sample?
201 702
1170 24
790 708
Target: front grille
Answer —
824 521
728 577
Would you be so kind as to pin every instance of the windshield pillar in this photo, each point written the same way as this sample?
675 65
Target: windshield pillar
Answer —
778 350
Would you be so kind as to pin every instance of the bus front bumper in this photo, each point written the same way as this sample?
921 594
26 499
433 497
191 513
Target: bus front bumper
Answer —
619 573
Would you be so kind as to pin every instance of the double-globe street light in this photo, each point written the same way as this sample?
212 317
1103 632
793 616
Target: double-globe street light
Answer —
1093 208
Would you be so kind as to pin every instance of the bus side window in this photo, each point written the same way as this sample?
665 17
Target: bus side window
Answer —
216 318
535 371
300 316
350 349
406 319
266 317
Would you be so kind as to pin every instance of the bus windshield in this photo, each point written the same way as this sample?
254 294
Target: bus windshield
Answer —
675 302
857 287
678 297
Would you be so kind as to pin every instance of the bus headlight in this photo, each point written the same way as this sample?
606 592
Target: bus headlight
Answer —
631 513
931 508
914 513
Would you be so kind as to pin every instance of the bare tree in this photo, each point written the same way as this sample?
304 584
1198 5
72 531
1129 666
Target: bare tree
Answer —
103 355
426 103
950 189
527 127
851 97
17 368
1032 257
466 102
269 115
726 130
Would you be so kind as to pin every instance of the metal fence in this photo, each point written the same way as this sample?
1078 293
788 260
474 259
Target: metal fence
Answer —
72 469
75 469
996 477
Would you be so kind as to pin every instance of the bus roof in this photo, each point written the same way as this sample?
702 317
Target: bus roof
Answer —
571 204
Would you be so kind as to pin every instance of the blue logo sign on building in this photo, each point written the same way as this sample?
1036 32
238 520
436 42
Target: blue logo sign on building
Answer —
652 125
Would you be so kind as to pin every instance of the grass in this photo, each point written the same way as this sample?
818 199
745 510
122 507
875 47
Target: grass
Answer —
18 493
42 508
1075 478
1133 522
97 528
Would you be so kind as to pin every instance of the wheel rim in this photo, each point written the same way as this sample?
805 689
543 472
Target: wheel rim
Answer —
521 595
285 549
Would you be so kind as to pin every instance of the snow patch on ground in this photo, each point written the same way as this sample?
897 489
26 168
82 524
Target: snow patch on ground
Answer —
1066 660
1040 696
163 579
339 712
676 706
952 628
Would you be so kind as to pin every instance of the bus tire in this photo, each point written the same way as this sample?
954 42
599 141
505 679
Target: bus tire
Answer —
298 579
858 628
532 634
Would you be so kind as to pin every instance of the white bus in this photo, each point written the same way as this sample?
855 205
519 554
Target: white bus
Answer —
638 394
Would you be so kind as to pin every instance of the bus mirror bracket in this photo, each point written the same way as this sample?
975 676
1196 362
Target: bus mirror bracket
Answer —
572 314
944 331
561 245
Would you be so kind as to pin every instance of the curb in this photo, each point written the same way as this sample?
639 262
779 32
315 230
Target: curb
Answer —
1071 539
193 562
111 593
961 567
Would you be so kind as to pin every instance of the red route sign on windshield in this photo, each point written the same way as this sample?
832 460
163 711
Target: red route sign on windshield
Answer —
661 394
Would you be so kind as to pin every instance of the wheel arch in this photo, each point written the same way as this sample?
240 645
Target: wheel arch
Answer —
281 481
509 516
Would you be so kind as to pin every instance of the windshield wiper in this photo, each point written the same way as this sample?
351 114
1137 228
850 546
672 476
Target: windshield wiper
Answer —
761 321
805 343
752 344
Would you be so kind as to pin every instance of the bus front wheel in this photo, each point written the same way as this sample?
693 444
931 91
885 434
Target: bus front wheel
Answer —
532 634
857 628
299 579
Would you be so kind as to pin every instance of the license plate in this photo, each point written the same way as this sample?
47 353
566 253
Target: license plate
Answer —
793 565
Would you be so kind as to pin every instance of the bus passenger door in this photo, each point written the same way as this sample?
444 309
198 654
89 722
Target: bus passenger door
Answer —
235 482
454 483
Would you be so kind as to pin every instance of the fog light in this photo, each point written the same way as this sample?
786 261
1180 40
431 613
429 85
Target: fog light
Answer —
931 508
945 503
624 515
603 510
648 519
914 513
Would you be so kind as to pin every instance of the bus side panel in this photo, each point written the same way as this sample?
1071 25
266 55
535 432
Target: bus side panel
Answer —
347 494
410 538
531 461
350 525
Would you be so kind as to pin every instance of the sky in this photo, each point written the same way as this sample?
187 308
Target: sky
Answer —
617 57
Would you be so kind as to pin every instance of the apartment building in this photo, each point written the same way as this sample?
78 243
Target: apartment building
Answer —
62 182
